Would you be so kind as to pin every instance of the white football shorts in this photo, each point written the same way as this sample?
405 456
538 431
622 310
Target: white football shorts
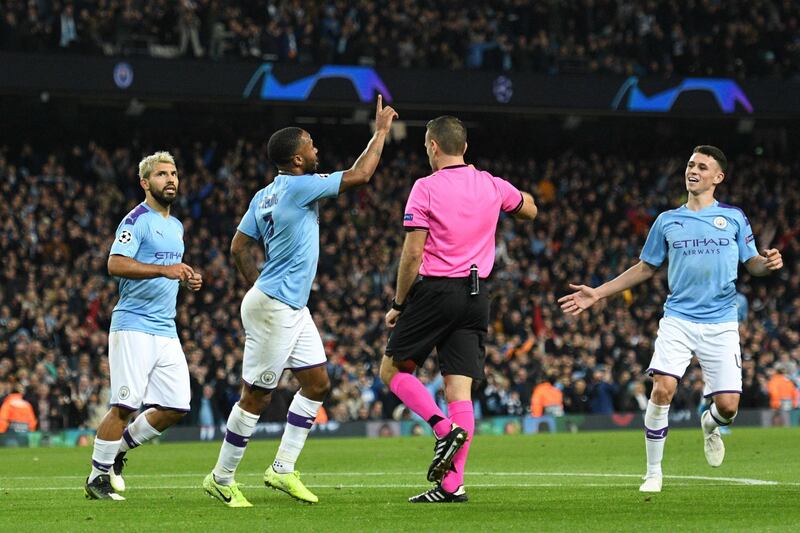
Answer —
277 337
148 369
715 345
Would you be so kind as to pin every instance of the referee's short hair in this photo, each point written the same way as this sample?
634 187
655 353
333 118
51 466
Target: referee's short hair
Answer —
449 133
283 145
716 153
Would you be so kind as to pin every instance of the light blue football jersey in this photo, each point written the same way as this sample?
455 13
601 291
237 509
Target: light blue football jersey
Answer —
148 305
703 249
285 217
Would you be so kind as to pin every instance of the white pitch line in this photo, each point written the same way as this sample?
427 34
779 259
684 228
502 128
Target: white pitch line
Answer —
387 486
733 480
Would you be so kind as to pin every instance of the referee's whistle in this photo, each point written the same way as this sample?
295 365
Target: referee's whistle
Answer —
474 280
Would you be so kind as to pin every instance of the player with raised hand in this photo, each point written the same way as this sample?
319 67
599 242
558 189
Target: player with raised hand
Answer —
145 356
703 241
283 217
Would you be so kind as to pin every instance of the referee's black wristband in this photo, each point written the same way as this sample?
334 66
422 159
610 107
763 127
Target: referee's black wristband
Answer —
398 307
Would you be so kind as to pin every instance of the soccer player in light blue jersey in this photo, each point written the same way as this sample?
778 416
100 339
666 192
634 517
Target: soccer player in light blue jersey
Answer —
147 363
703 242
279 332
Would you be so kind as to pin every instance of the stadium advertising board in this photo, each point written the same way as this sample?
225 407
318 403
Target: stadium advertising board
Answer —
502 425
348 86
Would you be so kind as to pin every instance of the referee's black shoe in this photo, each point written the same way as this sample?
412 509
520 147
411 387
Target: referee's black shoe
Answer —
438 495
443 451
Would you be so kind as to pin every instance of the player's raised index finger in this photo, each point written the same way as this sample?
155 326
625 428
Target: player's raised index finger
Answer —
380 103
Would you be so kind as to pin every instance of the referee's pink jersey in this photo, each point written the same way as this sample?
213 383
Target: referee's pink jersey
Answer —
459 207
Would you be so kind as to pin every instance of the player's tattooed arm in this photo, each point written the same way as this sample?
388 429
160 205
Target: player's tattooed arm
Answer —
127 267
244 249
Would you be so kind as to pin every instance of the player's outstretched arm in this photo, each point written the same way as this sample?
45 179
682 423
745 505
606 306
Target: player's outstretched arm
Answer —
364 167
584 296
243 250
126 267
768 262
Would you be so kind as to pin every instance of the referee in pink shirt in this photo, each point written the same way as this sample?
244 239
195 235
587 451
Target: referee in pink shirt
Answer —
450 219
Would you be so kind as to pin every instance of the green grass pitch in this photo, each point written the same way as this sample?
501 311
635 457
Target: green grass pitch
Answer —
561 482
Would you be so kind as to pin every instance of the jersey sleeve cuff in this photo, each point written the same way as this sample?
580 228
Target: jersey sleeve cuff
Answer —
243 232
415 228
519 205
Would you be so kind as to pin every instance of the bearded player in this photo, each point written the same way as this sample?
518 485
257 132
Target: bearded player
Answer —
147 363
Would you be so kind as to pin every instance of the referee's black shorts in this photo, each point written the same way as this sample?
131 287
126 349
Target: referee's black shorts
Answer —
441 314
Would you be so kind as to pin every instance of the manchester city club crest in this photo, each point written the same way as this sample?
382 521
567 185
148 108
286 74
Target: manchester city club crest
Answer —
268 378
720 222
124 392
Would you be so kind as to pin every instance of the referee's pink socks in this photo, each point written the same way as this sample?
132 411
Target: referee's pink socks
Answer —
461 414
413 393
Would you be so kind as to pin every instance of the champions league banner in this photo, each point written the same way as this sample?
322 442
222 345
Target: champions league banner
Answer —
340 86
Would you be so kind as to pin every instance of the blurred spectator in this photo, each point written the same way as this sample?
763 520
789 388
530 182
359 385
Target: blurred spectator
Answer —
57 204
737 38
547 399
783 393
17 418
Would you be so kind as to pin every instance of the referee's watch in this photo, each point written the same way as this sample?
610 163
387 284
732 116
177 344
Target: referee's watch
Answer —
398 307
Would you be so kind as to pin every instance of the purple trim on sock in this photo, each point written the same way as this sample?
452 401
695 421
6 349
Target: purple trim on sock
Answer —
308 366
300 421
652 371
101 466
257 387
237 440
710 394
656 434
717 420
128 439
128 407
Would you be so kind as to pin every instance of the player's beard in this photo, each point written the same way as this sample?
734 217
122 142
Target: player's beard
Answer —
311 166
162 198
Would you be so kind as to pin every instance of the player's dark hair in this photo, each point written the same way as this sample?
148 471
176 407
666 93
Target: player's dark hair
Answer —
283 145
713 151
449 133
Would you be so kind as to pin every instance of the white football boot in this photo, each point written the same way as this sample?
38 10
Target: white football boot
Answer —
652 483
712 445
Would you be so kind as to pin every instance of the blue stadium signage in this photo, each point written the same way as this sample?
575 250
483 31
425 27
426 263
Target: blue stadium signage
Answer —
367 83
726 92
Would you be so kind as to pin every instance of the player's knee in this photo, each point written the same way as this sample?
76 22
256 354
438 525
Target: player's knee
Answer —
661 395
728 409
176 416
121 413
387 371
254 400
319 390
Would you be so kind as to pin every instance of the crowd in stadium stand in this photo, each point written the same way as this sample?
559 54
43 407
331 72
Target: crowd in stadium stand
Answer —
60 208
753 38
